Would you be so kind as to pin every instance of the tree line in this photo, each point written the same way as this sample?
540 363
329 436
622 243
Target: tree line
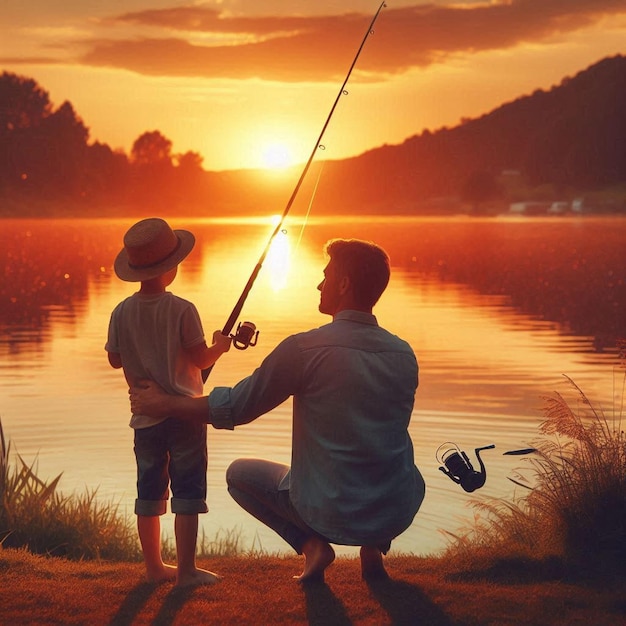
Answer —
46 160
559 144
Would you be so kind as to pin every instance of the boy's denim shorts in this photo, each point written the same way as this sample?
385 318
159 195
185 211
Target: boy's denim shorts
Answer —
172 452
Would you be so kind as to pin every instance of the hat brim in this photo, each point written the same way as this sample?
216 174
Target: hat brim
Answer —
125 271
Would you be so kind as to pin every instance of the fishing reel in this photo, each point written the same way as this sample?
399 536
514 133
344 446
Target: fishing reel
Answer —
458 468
245 336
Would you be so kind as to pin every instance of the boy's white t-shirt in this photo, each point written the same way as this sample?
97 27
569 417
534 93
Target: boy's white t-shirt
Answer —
151 332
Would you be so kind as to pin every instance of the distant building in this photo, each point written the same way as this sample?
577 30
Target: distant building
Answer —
529 208
559 208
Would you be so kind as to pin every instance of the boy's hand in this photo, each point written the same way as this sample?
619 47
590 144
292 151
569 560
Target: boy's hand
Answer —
223 342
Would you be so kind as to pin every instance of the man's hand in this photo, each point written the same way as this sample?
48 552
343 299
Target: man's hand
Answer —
148 398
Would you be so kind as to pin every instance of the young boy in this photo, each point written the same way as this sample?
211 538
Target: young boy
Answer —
156 335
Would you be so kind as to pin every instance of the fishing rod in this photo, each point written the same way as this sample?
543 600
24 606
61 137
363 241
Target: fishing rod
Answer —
246 334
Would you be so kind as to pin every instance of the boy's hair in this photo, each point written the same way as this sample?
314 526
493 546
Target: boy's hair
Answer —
365 264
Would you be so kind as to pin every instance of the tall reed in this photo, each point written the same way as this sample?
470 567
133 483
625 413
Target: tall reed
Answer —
35 515
576 509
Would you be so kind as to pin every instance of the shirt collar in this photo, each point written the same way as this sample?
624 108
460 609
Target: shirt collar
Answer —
356 316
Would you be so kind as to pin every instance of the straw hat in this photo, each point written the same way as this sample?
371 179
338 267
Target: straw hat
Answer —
152 248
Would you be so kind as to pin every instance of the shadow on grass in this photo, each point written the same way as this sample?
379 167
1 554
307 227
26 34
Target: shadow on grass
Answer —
135 601
323 607
516 571
132 605
173 603
407 604
596 572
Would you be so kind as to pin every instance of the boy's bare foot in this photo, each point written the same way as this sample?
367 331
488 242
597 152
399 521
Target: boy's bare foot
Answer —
318 556
372 567
197 577
163 574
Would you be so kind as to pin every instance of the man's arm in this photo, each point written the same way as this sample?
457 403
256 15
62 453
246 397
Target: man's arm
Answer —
150 399
267 387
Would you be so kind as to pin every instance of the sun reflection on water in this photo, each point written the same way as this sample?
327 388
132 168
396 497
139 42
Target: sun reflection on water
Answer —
278 261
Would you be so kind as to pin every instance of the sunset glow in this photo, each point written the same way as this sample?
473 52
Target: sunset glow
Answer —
249 84
276 156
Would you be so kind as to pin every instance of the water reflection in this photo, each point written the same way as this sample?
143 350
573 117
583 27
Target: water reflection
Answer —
47 267
570 272
496 310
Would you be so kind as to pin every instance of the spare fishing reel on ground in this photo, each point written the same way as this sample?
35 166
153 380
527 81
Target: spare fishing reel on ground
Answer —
457 466
245 336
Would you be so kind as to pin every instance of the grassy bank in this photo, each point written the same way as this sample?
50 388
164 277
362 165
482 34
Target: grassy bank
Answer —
259 590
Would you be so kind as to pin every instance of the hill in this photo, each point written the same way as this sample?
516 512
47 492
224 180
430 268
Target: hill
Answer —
552 144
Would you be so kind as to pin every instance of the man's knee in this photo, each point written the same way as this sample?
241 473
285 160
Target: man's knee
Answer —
236 470
255 473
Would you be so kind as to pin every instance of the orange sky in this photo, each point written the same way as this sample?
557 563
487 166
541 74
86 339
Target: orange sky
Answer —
228 78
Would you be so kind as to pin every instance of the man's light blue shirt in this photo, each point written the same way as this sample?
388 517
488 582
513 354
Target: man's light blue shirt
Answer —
353 478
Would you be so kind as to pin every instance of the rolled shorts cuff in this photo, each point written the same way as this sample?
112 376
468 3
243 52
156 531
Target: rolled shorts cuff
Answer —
189 507
150 508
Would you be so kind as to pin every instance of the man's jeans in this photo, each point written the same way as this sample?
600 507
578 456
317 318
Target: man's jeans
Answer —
254 485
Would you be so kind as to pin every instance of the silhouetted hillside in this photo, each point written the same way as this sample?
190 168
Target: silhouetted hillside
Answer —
565 142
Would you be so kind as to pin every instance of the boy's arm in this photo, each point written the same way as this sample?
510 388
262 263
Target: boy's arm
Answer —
203 356
115 359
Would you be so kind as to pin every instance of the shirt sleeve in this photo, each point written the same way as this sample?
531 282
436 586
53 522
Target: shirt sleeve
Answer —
277 378
191 330
113 341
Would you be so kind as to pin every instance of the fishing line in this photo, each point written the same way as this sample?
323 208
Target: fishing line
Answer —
308 211
246 333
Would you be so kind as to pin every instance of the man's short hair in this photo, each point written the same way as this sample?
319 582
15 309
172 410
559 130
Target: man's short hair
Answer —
366 265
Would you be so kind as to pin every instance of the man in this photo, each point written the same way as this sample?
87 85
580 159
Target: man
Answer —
352 479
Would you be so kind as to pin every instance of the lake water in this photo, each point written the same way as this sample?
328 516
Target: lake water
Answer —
496 309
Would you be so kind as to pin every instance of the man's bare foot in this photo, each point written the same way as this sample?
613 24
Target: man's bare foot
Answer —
197 577
163 574
318 556
372 567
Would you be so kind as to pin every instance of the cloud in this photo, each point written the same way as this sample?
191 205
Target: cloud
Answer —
202 41
421 35
193 41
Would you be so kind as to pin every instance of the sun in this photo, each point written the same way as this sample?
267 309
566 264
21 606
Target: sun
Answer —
276 155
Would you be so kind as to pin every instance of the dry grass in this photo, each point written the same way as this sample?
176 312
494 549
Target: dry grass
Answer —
259 590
